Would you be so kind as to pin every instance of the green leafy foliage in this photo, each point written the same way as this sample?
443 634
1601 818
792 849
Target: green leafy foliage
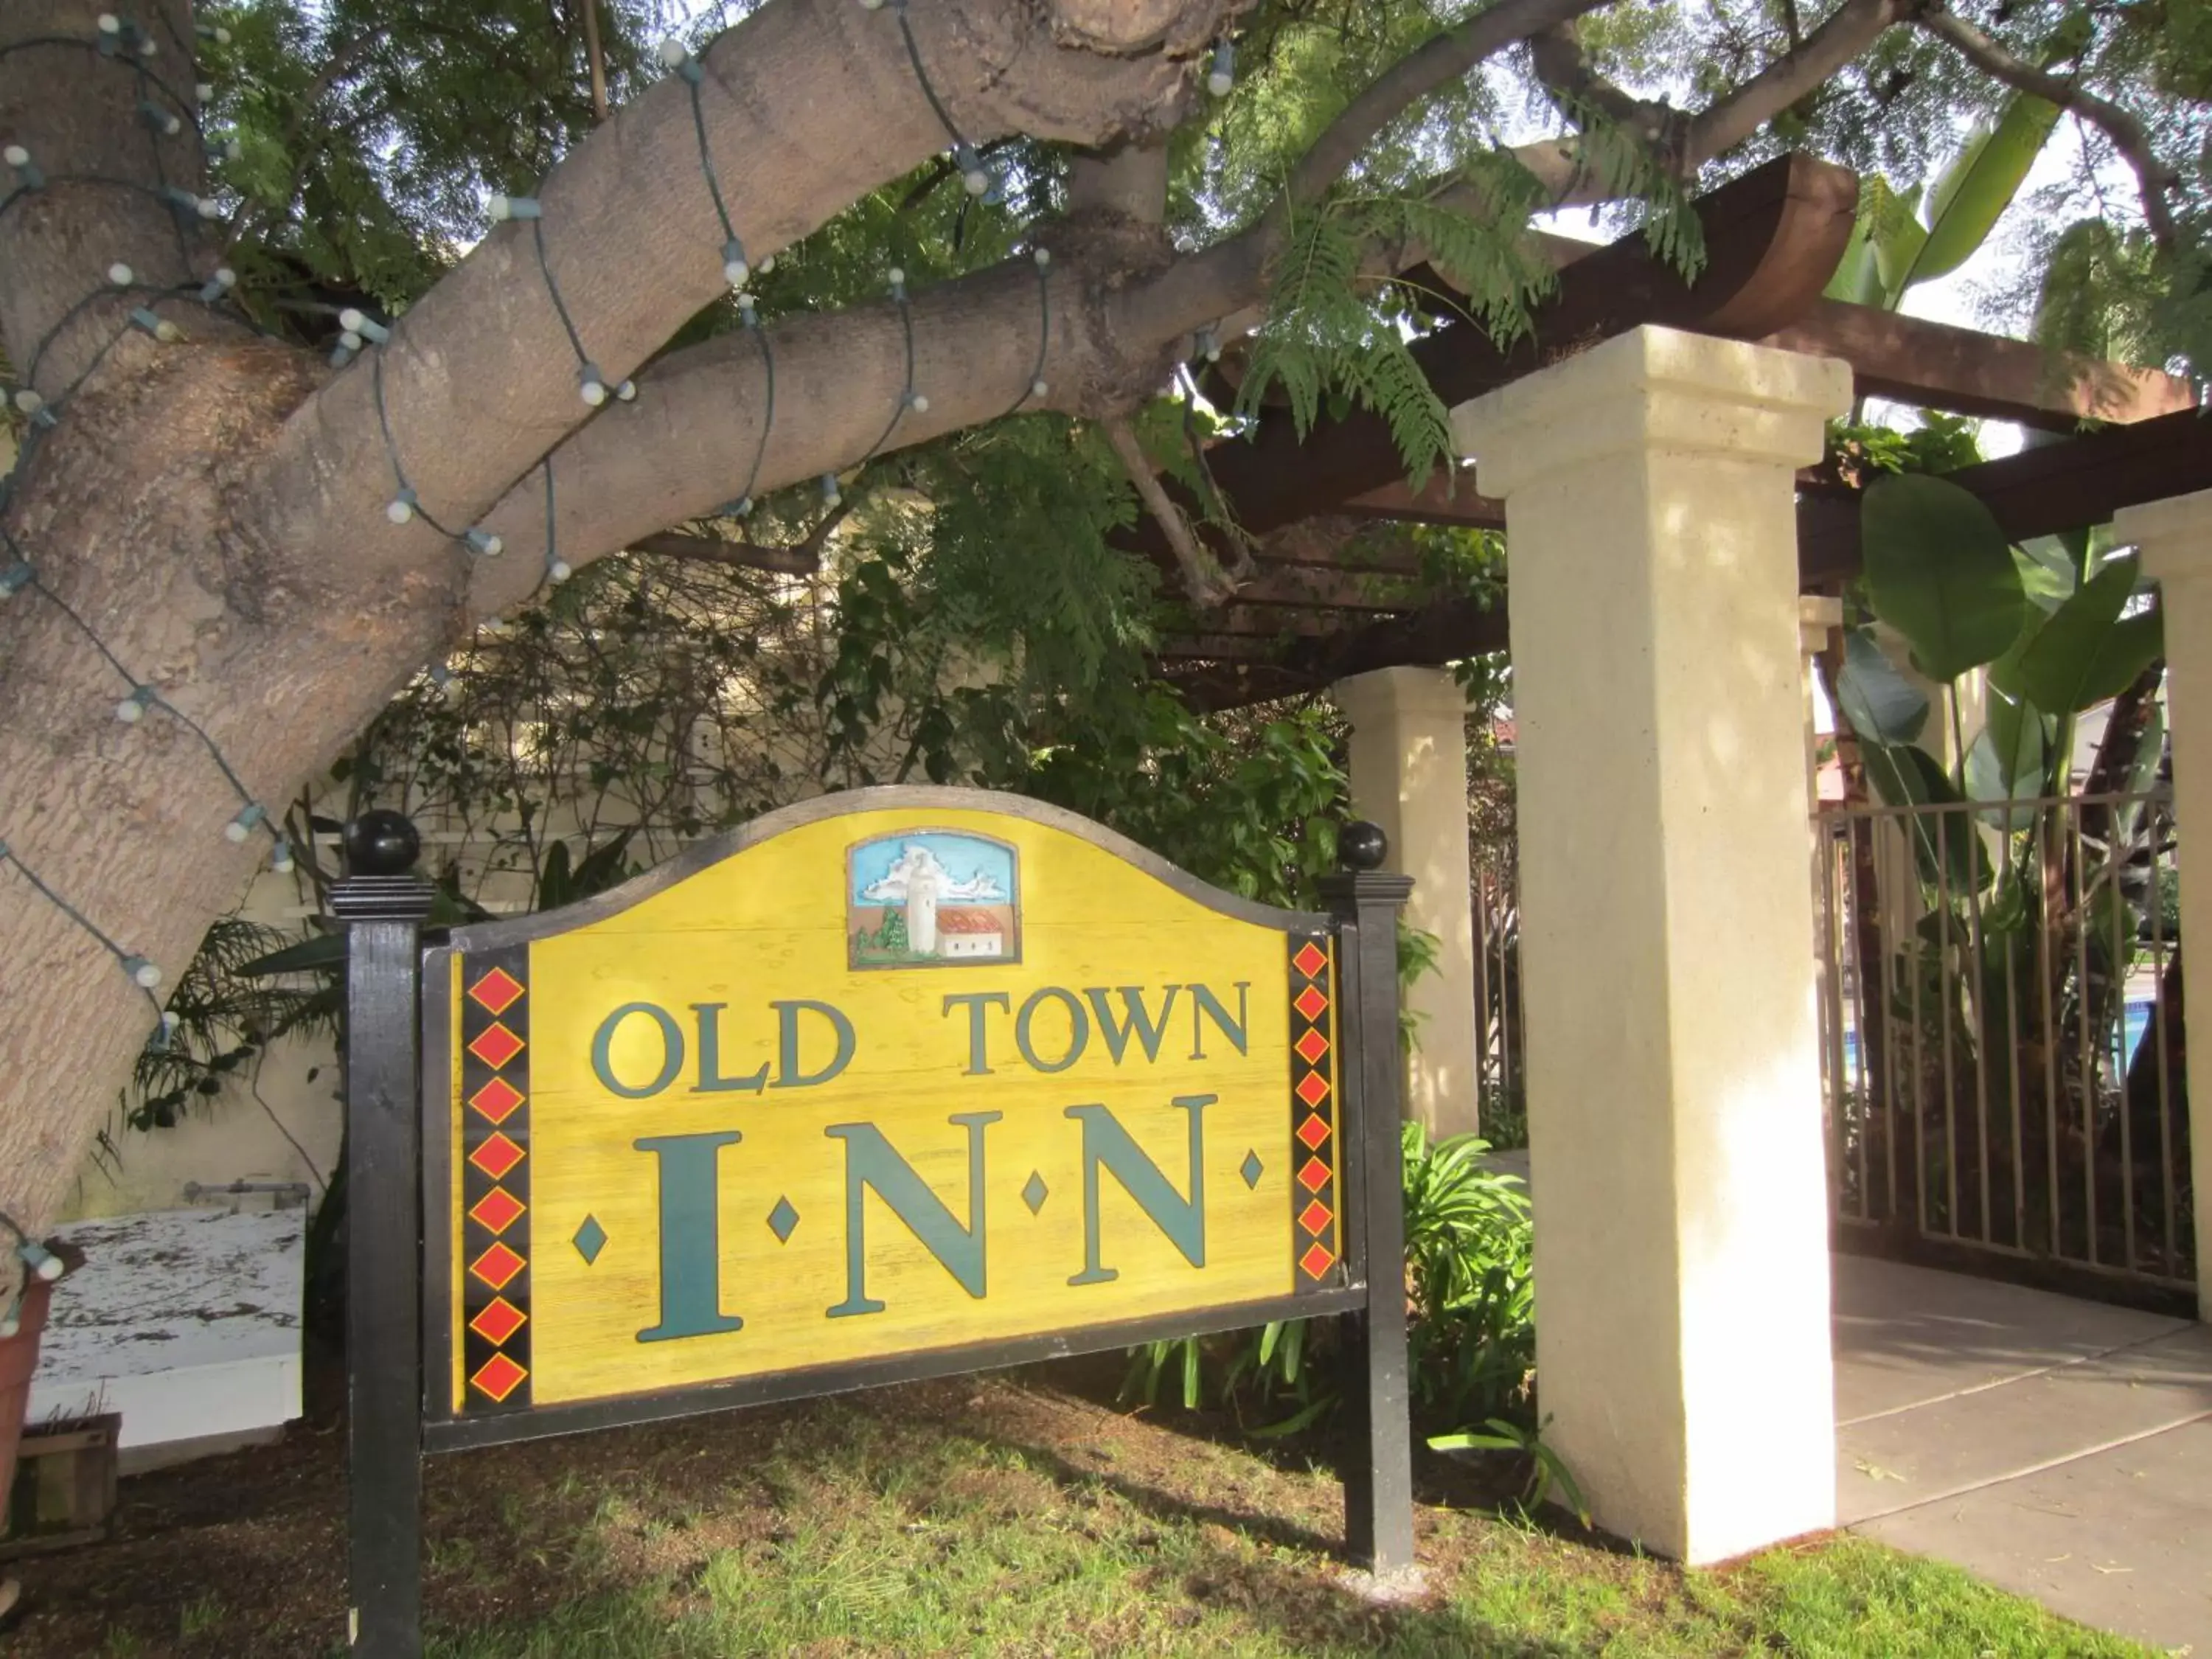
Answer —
226 1016
1470 1300
1939 570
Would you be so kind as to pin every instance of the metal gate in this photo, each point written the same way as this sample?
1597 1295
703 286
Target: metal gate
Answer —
2001 1039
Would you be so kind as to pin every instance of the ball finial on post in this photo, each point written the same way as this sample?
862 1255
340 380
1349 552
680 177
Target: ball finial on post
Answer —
381 842
1361 846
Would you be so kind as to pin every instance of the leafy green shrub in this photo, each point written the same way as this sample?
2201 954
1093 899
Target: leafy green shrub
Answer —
1470 1298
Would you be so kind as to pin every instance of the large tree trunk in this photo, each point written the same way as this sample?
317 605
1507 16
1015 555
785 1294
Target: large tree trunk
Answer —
214 511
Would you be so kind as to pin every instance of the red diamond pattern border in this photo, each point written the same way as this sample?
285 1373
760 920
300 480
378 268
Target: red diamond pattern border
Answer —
498 1378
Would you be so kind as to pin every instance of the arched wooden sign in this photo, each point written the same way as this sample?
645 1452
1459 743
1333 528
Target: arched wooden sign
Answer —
894 1084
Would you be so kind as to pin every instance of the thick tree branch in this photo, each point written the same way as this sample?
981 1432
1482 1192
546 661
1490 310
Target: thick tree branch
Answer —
1689 140
2154 178
802 558
1203 582
481 379
1437 62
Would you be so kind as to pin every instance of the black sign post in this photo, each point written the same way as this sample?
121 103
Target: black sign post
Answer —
401 1076
1378 1471
383 907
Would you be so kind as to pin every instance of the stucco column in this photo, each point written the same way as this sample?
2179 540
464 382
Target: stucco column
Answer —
1666 929
1409 774
2176 538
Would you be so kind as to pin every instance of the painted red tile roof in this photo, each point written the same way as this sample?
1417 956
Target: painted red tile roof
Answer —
968 921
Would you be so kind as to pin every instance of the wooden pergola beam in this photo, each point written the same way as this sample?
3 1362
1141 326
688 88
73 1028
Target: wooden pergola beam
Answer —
1772 239
1936 365
1446 498
2043 490
2052 487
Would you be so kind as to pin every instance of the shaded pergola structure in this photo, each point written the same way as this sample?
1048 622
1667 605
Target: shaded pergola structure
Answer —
1325 602
1655 452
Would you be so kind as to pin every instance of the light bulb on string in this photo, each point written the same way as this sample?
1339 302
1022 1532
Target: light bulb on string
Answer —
831 493
121 274
15 579
221 283
167 122
132 709
917 403
20 159
356 321
159 327
735 270
898 284
590 385
675 56
214 31
627 392
483 542
557 569
1223 74
402 507
974 176
42 1261
280 857
144 974
502 208
249 816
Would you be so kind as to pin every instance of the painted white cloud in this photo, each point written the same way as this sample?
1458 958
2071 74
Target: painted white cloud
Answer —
981 887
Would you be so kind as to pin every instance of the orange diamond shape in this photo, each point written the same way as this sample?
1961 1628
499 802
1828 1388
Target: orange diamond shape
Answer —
495 1045
1310 1048
498 1377
497 991
1310 1002
496 1156
498 1210
497 1265
1316 1216
496 1099
1313 1089
1311 960
1316 1259
498 1322
1313 1132
1314 1176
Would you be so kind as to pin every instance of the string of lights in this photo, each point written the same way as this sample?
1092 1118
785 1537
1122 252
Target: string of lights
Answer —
39 1263
43 416
360 332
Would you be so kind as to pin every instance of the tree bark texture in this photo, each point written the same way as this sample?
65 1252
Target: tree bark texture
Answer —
215 510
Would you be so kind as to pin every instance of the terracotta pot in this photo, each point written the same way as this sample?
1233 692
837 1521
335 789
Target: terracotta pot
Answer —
19 1359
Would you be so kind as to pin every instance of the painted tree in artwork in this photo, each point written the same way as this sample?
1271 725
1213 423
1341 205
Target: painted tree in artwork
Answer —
333 330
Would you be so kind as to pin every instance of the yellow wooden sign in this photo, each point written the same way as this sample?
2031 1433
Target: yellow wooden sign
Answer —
920 1076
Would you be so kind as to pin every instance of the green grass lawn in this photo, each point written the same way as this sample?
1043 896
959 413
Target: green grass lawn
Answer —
894 1537
978 1516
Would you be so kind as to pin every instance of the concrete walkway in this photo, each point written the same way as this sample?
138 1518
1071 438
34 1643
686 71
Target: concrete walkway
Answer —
2058 1448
